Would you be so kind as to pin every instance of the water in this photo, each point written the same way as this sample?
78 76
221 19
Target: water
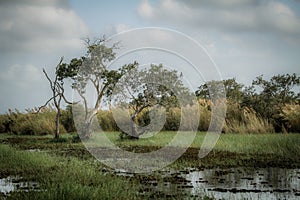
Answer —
243 183
15 183
234 183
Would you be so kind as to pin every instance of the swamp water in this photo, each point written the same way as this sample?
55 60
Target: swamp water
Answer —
16 183
234 183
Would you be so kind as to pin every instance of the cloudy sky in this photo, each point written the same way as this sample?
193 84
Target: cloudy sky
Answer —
244 38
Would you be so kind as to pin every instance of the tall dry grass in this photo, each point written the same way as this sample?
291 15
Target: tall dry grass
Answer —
291 116
245 120
31 123
238 120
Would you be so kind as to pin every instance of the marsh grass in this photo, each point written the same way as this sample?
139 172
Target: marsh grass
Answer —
267 143
66 170
245 120
279 144
231 150
63 178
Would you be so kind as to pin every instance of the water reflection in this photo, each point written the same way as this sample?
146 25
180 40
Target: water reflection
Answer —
245 183
234 183
15 183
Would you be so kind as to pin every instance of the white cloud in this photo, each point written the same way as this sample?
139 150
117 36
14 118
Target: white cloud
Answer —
245 38
145 9
231 16
39 27
121 27
21 75
34 34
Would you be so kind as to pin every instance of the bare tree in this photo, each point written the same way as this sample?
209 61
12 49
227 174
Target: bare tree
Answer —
57 87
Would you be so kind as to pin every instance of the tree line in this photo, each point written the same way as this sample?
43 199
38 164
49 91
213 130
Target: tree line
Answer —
264 106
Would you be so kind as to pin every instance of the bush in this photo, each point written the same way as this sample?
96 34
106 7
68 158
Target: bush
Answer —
291 117
67 119
4 123
173 119
106 121
205 114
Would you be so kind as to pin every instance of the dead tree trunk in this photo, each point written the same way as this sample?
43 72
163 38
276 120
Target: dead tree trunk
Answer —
57 87
57 124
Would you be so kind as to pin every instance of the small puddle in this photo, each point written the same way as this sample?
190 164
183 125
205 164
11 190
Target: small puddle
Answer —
16 183
233 183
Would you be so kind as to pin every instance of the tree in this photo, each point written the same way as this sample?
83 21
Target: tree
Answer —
140 89
234 90
57 87
93 69
269 97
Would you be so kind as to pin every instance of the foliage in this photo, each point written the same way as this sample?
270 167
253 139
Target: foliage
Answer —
265 106
291 116
4 123
173 119
106 121
262 102
274 94
140 89
205 114
67 119
233 90
92 69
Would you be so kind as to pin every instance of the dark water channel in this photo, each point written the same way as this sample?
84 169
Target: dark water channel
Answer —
234 183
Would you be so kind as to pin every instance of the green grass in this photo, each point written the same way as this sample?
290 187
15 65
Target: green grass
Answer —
67 177
66 170
63 178
279 144
231 150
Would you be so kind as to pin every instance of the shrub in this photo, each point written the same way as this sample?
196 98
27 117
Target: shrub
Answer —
205 114
4 123
173 119
291 117
67 119
106 121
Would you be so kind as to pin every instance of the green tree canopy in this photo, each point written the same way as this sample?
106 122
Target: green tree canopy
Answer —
92 69
234 90
139 89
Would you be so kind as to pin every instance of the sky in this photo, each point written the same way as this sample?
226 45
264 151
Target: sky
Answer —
245 39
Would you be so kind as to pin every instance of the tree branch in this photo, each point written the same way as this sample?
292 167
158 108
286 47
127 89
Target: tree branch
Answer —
43 106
